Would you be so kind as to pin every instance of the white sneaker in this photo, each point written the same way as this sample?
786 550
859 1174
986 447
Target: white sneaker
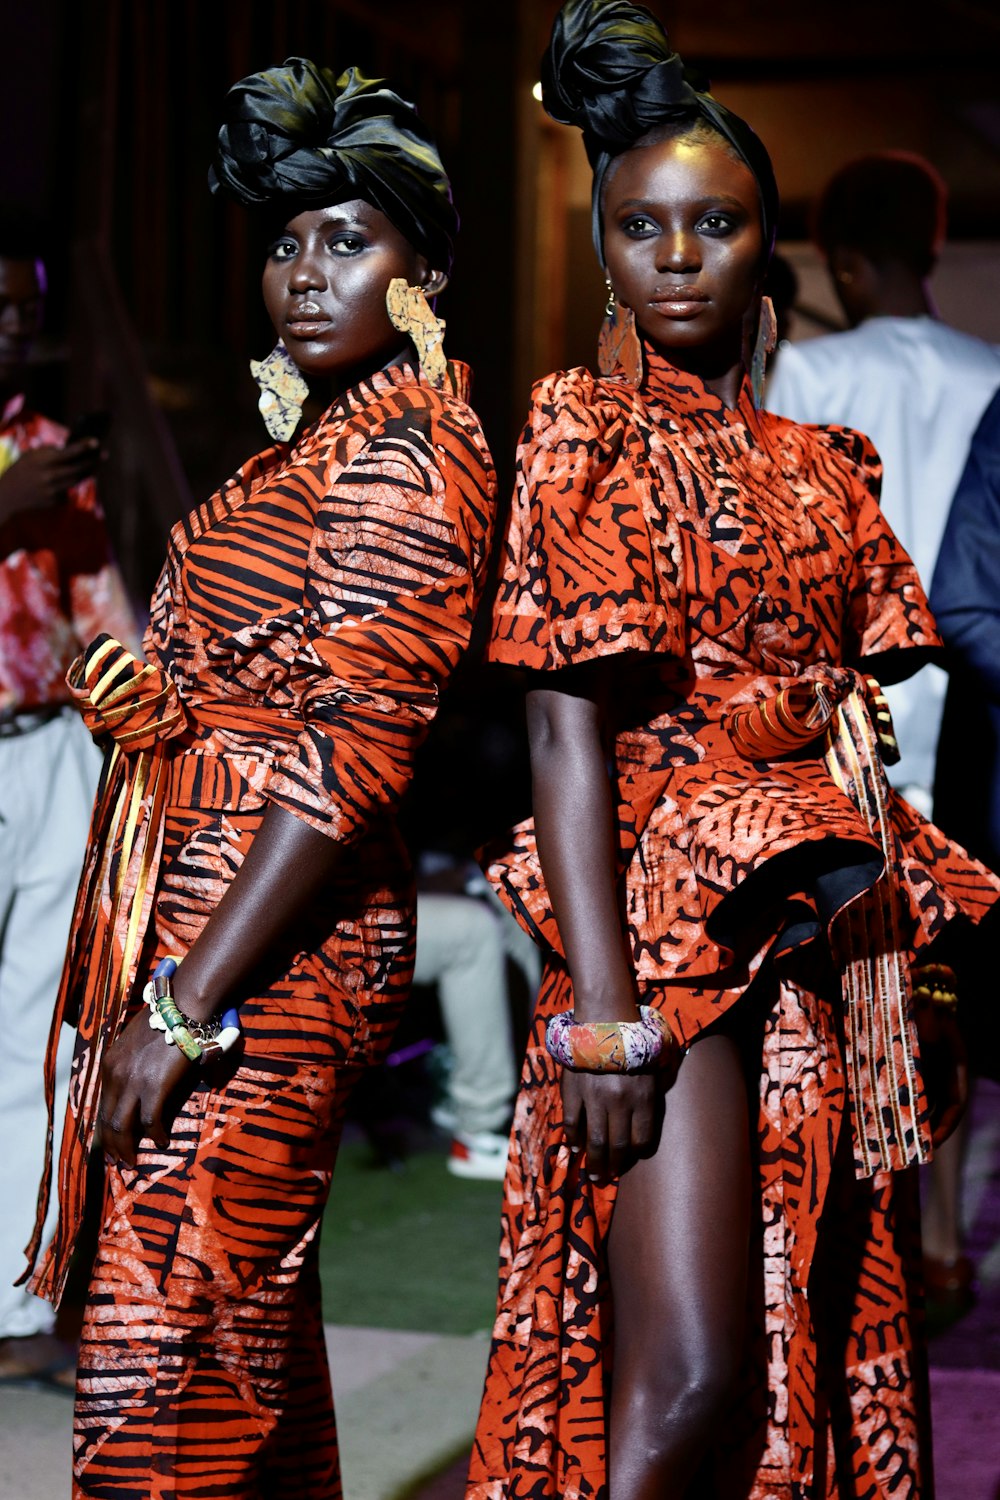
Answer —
482 1155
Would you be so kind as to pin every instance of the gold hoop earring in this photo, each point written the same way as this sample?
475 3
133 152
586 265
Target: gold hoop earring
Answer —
283 391
411 314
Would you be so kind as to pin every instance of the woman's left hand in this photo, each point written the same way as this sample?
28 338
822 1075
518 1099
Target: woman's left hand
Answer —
139 1074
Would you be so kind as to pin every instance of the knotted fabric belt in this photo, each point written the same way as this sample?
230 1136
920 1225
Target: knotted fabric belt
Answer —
136 705
890 1120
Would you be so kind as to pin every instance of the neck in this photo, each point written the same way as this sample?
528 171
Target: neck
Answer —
720 369
900 293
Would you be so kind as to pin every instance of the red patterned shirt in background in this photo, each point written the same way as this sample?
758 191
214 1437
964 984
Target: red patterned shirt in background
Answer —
59 585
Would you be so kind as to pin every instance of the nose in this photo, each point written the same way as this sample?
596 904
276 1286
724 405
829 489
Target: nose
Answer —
306 273
678 251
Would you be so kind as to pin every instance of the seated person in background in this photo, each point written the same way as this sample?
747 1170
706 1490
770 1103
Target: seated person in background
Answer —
464 943
58 589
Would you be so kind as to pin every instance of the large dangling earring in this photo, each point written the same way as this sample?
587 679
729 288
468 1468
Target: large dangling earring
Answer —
619 348
283 391
764 343
411 313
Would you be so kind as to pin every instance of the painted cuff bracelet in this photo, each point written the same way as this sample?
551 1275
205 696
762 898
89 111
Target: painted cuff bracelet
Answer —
607 1046
200 1041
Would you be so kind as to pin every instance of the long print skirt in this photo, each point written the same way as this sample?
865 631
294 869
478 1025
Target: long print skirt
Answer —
202 1369
832 1401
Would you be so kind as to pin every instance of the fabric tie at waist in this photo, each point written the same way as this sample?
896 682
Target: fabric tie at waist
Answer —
135 704
890 1120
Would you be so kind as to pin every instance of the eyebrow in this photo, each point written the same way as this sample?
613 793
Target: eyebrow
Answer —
716 200
336 221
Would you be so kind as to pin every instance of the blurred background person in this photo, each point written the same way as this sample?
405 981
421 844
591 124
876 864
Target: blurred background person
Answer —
58 588
914 385
461 951
965 597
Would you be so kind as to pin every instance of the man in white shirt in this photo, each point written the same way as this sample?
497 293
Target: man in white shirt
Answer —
917 387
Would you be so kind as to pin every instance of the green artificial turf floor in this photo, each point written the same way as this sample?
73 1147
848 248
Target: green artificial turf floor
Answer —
409 1246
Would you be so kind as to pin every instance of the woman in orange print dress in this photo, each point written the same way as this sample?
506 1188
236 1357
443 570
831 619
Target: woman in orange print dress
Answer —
305 621
706 1274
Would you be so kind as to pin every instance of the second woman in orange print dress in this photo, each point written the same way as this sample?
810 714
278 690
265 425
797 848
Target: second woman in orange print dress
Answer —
706 1277
305 621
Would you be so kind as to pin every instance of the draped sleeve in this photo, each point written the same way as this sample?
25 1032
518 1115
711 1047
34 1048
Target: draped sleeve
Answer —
395 570
584 570
889 628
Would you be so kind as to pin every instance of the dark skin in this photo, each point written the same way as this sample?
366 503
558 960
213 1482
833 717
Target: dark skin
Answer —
685 250
680 217
324 286
40 477
889 289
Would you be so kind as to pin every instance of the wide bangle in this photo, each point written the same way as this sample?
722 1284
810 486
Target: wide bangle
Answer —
607 1046
935 984
200 1041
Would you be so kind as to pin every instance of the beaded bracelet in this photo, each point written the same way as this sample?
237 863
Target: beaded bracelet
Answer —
936 983
200 1041
607 1046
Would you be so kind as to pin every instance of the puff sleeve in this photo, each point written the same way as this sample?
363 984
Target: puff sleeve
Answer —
887 614
395 572
585 570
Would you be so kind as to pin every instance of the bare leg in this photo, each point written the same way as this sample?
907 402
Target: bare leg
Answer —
678 1262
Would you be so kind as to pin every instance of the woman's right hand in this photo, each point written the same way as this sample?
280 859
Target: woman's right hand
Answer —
138 1076
612 1117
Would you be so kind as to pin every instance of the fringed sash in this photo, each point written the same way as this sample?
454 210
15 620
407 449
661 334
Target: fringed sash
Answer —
890 1120
136 705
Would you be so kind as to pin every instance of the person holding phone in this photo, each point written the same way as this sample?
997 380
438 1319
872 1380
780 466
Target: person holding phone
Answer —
58 587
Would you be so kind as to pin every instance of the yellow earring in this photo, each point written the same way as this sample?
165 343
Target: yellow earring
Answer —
283 391
411 313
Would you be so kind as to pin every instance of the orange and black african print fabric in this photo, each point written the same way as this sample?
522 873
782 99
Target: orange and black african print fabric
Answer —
739 570
304 624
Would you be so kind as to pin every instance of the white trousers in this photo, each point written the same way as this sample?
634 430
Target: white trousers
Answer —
47 782
462 948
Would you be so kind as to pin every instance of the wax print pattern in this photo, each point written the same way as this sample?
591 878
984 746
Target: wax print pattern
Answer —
58 583
721 557
305 622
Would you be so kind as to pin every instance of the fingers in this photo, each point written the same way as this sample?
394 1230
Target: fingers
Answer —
138 1077
610 1116
118 1128
151 1115
574 1127
78 460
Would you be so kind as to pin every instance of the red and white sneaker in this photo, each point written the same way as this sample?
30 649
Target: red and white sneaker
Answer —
482 1155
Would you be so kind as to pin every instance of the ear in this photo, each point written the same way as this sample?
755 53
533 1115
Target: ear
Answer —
434 283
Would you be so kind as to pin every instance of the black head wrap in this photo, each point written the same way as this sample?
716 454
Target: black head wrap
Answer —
609 69
298 133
